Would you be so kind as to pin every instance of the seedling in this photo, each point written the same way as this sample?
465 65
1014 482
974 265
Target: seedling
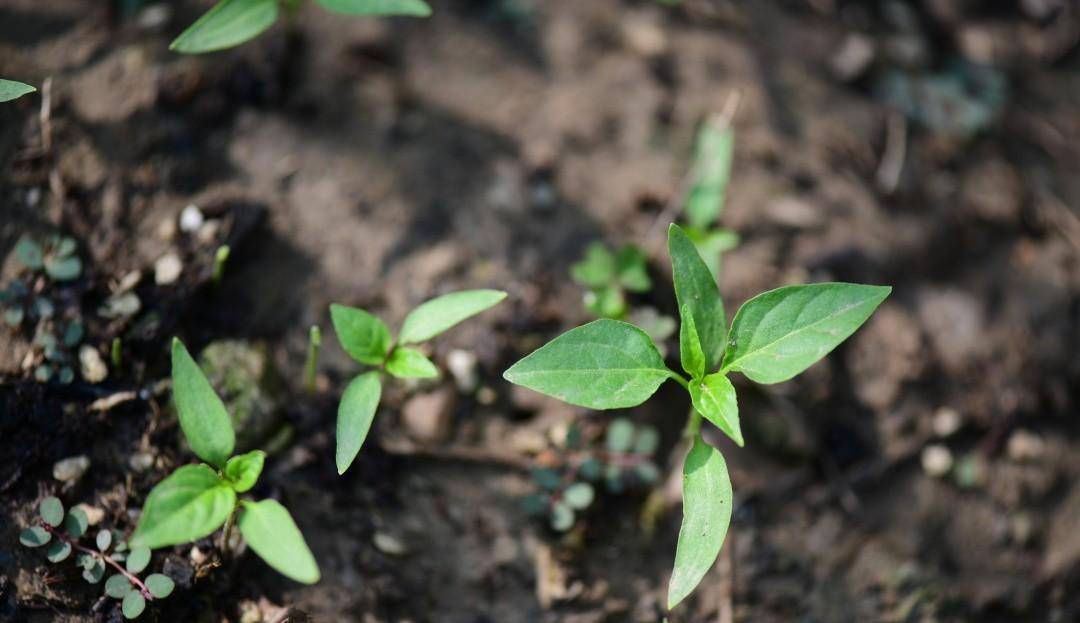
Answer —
11 90
608 276
60 533
196 500
232 22
220 257
705 202
568 486
367 340
608 364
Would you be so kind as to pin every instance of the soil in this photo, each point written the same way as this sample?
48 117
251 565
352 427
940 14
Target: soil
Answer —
378 163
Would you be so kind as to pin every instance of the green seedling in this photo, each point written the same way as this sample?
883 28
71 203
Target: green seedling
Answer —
367 339
196 500
568 486
607 277
708 190
608 364
60 533
11 90
311 364
221 256
232 22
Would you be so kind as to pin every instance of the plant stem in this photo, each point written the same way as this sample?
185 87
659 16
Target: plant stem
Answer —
693 424
678 378
310 366
131 577
227 532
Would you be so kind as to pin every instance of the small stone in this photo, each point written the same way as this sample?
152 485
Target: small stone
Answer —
167 269
197 555
191 219
155 17
946 421
427 417
91 364
94 515
389 544
645 36
462 366
1022 529
166 230
122 305
1024 446
853 57
937 460
141 461
71 469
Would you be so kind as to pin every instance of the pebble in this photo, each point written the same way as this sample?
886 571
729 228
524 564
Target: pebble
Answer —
462 366
937 460
389 544
91 364
94 515
71 469
853 57
141 461
486 396
1024 446
191 219
155 17
946 421
167 269
427 417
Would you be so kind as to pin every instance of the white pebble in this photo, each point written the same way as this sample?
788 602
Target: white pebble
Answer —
71 468
191 219
1024 446
167 269
946 421
91 364
389 544
937 460
462 366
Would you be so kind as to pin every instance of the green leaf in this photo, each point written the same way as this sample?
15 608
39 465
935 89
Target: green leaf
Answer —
188 505
597 269
409 363
780 333
58 551
35 537
562 516
693 358
138 559
94 571
355 414
606 302
229 23
203 418
579 495
76 523
439 314
29 252
103 540
712 170
117 586
619 437
361 334
647 441
711 246
714 398
243 471
696 292
63 268
633 269
51 510
414 8
10 89
133 605
706 515
606 364
159 585
271 532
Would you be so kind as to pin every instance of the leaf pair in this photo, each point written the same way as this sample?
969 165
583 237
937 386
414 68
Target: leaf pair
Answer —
232 22
367 339
196 500
609 364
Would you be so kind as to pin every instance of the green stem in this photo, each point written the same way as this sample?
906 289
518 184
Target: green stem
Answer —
680 379
227 532
310 366
693 424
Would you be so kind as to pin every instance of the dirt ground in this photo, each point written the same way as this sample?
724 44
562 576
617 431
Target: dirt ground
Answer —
378 163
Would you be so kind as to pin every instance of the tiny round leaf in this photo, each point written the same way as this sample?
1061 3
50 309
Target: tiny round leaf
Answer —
58 551
160 586
138 559
104 540
35 536
52 511
117 586
76 523
133 605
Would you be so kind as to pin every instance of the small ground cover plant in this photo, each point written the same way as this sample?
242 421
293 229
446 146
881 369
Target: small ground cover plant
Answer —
60 534
608 364
607 277
232 22
367 339
11 90
195 500
708 190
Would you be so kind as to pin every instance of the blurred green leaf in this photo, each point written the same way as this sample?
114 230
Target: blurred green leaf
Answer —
409 363
711 172
439 314
58 551
160 586
620 436
10 89
75 523
597 269
138 559
579 495
228 24
34 536
562 517
413 8
117 586
27 251
133 605
51 510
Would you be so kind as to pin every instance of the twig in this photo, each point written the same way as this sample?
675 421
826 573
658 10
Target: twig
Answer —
131 577
110 401
892 159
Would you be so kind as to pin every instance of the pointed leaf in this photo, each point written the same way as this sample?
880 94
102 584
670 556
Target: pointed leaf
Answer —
693 358
138 559
271 532
606 364
414 8
203 418
229 23
780 333
243 471
159 585
714 398
133 605
439 314
52 511
712 170
409 363
10 89
355 414
706 515
361 334
188 505
696 292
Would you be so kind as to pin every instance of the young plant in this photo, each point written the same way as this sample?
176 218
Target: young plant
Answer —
608 364
367 340
11 90
196 500
61 533
607 277
232 22
705 202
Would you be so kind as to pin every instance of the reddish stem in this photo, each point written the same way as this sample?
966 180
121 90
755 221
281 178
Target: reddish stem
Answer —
131 577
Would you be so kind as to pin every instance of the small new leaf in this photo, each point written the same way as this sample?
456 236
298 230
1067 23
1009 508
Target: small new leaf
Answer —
117 586
52 511
409 363
414 8
606 364
778 334
363 336
243 471
229 23
355 414
58 551
693 358
138 559
712 169
696 292
439 314
190 504
706 515
133 605
76 522
10 89
160 586
271 532
714 398
203 418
